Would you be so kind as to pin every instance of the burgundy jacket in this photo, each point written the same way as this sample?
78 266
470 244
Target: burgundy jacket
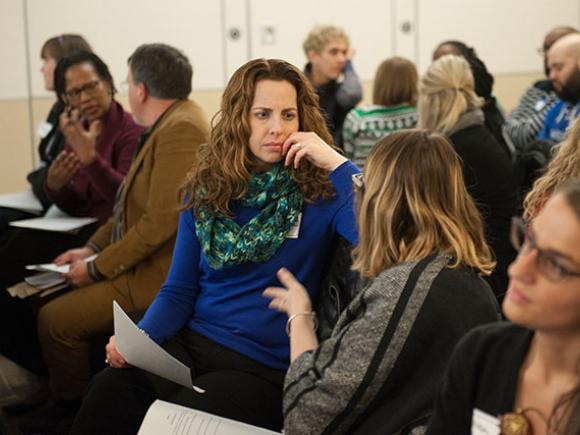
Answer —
91 191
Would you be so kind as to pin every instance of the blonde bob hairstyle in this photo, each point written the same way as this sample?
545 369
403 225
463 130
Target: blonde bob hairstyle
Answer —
564 166
446 92
414 202
395 83
225 164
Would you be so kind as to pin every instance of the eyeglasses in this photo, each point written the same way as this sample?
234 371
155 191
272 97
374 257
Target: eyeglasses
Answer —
358 181
547 262
89 88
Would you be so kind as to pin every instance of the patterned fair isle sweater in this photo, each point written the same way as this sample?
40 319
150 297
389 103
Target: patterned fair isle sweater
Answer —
365 126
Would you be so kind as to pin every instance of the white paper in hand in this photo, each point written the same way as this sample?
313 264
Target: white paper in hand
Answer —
140 351
51 267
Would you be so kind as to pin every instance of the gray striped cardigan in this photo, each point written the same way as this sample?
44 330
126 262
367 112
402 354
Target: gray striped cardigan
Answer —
381 368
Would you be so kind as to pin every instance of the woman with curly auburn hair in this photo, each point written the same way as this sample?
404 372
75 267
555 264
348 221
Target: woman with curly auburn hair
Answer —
448 104
564 166
267 190
422 246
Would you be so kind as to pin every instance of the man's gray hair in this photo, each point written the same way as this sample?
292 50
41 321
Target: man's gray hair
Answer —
164 70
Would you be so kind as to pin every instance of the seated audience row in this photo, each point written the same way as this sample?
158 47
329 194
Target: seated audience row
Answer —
99 141
267 193
135 245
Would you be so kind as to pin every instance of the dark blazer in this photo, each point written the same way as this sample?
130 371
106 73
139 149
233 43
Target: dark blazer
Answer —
48 149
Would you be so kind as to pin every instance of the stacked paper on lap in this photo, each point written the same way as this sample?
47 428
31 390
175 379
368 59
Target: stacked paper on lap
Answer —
55 220
168 418
42 281
59 224
23 289
25 201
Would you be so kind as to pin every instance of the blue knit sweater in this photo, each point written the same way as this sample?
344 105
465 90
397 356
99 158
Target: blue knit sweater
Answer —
227 305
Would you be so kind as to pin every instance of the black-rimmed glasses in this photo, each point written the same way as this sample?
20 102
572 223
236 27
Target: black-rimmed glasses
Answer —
547 262
89 88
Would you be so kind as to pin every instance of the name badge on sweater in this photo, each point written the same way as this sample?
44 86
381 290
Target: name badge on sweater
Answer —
540 104
43 129
295 230
483 423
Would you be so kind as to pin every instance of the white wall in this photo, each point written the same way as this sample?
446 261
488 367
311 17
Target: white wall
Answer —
13 82
505 33
114 28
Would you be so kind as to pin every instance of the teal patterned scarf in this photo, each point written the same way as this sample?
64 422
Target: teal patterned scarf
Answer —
225 243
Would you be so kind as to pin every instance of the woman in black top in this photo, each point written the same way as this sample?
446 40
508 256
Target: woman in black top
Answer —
525 375
448 104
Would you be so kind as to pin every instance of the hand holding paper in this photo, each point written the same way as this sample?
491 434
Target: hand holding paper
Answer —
139 350
114 358
52 267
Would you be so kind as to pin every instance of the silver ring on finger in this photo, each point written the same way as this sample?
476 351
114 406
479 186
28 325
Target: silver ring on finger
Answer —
298 146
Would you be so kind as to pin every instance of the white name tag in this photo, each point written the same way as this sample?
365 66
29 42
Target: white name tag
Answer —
295 230
483 423
540 104
43 129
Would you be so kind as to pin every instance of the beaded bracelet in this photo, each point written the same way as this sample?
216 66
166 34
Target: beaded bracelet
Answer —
304 313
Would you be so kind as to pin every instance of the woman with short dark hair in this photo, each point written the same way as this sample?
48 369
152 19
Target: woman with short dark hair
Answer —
393 109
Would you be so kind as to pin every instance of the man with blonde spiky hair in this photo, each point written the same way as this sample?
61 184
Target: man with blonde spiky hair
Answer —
330 70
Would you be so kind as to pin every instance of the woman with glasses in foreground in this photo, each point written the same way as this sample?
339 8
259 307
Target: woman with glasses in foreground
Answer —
421 242
522 377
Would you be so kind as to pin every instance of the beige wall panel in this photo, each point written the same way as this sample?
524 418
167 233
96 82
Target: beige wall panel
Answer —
13 82
16 158
505 33
509 88
280 35
115 28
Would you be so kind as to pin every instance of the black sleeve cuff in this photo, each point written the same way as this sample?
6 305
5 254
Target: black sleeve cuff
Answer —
94 272
94 247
